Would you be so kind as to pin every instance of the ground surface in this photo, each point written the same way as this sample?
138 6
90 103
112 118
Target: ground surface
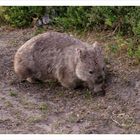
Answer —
50 108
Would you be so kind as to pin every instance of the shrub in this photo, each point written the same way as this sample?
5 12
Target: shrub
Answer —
3 11
23 16
123 20
73 18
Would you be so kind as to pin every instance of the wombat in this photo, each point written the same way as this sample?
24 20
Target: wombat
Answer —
60 56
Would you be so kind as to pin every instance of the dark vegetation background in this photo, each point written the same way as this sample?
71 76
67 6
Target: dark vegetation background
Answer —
119 21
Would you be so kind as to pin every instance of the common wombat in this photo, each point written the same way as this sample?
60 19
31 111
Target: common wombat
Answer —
60 56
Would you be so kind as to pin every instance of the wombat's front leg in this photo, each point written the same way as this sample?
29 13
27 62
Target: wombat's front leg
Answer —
66 79
68 83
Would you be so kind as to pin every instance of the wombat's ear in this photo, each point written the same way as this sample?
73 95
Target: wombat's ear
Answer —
97 48
81 53
78 51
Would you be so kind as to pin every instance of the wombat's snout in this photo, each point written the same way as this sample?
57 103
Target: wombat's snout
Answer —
99 90
100 79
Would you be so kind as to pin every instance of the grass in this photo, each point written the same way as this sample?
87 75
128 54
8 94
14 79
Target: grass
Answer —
39 30
125 46
88 94
43 107
73 118
52 83
61 94
8 104
34 119
27 104
13 94
17 114
127 124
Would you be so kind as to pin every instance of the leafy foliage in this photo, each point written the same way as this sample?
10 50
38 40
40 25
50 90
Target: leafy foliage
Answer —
3 11
123 20
23 16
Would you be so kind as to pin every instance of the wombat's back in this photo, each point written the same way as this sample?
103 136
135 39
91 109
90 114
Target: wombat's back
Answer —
48 44
51 40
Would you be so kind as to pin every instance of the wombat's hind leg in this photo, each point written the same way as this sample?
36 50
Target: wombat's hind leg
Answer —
66 80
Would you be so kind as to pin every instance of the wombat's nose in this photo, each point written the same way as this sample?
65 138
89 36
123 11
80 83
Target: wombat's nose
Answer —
100 79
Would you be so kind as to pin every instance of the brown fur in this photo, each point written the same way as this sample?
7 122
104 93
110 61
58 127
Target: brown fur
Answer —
60 56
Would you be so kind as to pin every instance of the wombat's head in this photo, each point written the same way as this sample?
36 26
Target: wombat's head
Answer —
90 67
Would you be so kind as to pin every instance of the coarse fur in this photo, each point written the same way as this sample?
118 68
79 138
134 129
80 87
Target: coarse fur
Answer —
60 56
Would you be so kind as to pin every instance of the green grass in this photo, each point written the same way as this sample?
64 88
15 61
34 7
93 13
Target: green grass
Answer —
43 107
13 94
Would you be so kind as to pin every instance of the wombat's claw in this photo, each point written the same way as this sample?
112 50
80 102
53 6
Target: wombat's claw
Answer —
31 80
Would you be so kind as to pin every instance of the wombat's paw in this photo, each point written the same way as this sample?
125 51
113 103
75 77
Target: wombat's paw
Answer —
30 80
100 93
34 81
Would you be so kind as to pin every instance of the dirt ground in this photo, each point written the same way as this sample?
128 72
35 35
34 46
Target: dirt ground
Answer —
50 108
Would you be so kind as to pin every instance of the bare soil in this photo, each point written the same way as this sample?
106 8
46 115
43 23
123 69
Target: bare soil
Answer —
50 108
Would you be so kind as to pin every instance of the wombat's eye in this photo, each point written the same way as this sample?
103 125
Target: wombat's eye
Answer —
91 72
